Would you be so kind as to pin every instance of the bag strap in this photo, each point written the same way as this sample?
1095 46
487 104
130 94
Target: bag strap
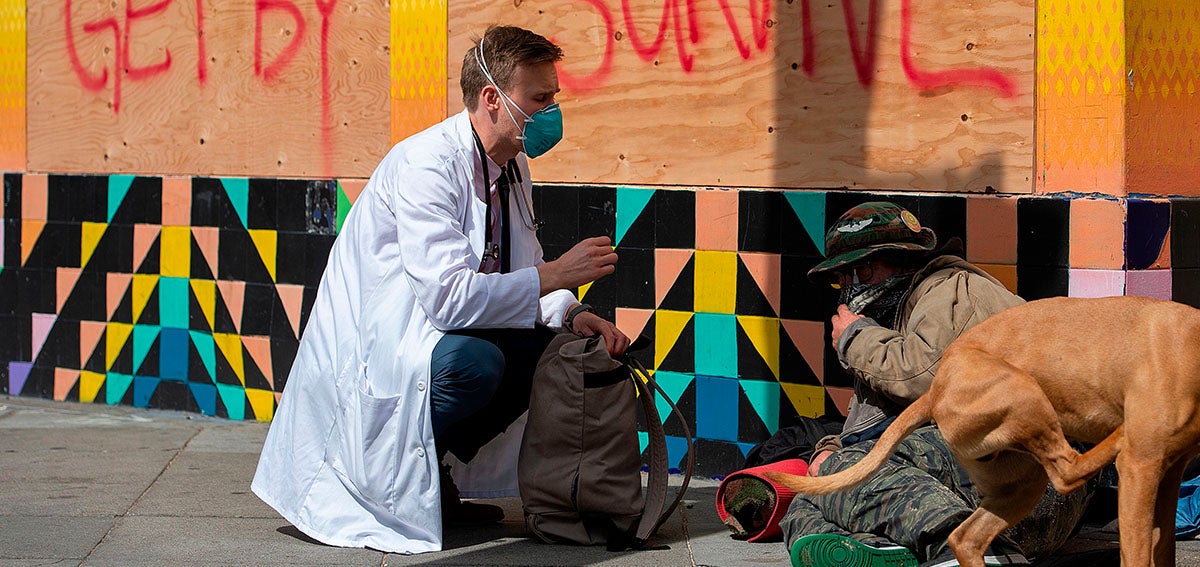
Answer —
653 514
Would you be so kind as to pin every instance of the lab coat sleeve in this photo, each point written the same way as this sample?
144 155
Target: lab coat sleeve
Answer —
435 255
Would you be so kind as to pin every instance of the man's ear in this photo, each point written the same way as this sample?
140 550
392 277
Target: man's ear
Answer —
489 98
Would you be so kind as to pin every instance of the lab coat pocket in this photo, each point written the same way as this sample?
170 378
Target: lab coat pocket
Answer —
370 447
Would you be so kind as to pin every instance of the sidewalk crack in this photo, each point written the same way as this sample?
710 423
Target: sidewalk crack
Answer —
117 519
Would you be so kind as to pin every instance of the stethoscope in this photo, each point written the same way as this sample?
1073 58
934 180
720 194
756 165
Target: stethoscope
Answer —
512 173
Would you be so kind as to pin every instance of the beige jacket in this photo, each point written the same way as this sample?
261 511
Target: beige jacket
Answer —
893 367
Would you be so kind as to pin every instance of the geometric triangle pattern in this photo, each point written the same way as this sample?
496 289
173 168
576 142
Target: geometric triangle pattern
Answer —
161 293
193 296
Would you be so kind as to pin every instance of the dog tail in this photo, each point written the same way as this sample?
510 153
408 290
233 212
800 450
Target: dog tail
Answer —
916 415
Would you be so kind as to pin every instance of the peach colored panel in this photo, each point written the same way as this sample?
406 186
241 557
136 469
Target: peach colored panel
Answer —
992 230
292 297
632 322
1097 234
89 338
841 398
764 268
352 188
64 380
208 239
668 263
33 196
809 338
176 201
144 236
116 286
66 280
1006 273
234 294
260 351
716 219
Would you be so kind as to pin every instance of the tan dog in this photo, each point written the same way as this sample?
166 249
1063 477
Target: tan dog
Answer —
1121 372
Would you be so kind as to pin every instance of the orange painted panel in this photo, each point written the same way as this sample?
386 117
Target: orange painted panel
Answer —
992 229
1097 233
12 85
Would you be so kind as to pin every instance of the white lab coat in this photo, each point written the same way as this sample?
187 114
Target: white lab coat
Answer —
350 457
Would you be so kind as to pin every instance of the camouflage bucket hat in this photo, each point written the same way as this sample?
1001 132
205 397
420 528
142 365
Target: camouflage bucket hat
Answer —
869 228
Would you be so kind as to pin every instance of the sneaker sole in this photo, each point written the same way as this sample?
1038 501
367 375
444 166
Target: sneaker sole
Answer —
828 550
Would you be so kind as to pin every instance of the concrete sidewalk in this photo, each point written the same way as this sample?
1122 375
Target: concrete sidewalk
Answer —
86 484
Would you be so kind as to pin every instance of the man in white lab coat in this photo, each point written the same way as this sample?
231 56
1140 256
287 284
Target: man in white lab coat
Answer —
432 311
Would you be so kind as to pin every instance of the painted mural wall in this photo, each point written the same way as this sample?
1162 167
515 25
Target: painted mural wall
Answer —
168 214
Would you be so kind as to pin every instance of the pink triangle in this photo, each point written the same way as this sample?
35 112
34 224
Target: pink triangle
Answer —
234 295
89 336
208 238
292 297
633 321
809 338
841 398
352 188
668 263
65 284
41 325
116 286
764 268
144 236
260 350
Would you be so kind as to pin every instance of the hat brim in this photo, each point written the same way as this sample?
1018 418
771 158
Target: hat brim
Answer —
926 242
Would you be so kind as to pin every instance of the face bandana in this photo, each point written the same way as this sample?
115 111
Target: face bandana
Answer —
542 130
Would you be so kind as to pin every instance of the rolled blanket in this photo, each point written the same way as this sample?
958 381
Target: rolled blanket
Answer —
751 505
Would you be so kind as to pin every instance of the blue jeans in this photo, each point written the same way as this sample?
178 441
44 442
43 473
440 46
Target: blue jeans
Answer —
480 384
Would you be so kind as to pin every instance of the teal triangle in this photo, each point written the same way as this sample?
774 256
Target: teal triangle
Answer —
238 190
115 387
673 383
630 204
745 448
208 351
118 186
143 339
643 441
764 398
810 209
234 398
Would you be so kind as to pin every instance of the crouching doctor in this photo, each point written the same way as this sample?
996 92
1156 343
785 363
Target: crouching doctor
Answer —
431 314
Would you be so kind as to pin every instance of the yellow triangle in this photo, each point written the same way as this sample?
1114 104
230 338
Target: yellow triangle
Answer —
764 334
809 401
89 385
143 287
667 327
231 347
206 295
115 338
262 402
90 236
265 241
583 289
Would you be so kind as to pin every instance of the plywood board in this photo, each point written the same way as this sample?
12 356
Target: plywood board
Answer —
866 94
270 88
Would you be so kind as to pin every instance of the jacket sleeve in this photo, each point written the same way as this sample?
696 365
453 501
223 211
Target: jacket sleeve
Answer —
435 254
901 365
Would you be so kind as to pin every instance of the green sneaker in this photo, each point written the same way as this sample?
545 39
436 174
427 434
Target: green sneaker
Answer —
831 550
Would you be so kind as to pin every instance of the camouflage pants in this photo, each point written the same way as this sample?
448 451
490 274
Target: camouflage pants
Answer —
919 496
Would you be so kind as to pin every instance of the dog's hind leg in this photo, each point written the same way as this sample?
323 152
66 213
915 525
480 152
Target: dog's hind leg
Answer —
1010 486
1139 507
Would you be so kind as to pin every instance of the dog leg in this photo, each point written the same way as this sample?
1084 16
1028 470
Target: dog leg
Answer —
1136 504
1009 486
1166 502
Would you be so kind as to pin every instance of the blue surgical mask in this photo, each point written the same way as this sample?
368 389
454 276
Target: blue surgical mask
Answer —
541 131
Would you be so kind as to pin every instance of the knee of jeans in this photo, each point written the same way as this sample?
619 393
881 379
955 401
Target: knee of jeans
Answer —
475 368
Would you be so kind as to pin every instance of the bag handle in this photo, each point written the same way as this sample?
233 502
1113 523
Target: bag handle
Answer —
653 514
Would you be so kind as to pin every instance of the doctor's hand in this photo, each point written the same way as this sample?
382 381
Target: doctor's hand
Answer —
584 263
588 324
